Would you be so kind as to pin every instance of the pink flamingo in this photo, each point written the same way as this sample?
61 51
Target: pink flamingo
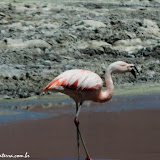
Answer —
83 85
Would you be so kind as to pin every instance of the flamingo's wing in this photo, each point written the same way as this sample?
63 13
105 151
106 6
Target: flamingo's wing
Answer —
76 79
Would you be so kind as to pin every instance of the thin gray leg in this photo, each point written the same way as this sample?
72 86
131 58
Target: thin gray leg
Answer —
78 130
78 143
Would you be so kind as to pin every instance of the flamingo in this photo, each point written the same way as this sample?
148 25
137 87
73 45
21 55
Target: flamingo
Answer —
82 85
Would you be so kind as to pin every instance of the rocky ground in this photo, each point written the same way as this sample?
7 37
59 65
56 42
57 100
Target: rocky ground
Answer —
38 40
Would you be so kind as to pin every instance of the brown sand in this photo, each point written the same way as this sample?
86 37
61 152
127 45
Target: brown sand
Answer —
125 135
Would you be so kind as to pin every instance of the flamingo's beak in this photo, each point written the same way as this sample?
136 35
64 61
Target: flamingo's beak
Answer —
133 71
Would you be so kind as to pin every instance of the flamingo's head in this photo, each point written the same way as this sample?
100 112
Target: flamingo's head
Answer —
122 67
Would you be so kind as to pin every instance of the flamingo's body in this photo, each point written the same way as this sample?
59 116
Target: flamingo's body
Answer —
79 84
83 85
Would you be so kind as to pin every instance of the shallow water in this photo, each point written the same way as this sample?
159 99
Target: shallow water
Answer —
119 103
20 103
129 103
10 115
111 136
114 105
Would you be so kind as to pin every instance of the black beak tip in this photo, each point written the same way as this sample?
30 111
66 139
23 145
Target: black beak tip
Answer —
133 73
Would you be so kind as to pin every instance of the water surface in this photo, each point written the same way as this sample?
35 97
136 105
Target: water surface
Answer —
10 115
116 104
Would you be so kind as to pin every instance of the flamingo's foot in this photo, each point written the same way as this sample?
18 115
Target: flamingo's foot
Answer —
89 158
76 121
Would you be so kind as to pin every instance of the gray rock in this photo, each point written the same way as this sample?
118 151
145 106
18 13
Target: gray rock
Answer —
6 97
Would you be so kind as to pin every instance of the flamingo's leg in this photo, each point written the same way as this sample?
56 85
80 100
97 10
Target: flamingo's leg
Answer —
78 144
79 132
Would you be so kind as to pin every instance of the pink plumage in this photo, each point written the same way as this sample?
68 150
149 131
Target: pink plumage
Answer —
76 79
75 82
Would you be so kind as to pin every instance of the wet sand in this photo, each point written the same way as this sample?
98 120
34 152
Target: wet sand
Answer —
124 135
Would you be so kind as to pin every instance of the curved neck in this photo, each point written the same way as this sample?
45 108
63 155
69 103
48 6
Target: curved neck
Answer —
108 93
109 83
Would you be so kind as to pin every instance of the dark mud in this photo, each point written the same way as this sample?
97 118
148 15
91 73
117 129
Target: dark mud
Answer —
40 40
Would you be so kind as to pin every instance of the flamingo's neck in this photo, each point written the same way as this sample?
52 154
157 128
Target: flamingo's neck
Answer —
108 93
